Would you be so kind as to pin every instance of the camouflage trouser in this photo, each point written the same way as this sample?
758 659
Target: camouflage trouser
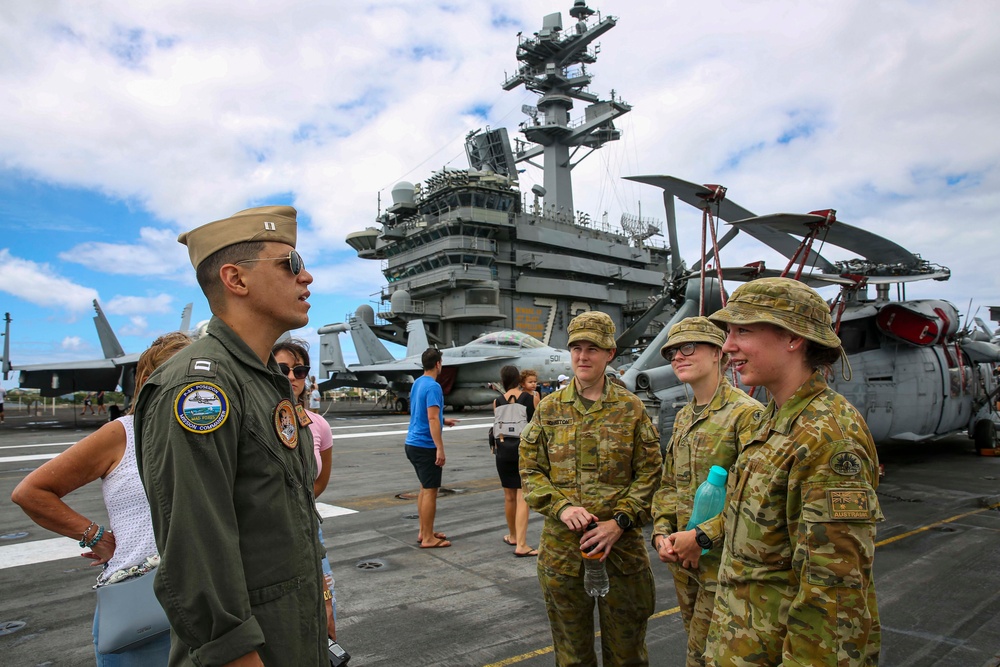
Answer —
696 603
623 613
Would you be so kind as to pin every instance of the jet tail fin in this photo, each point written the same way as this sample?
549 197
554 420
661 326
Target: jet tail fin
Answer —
331 357
416 338
109 342
6 345
186 318
369 348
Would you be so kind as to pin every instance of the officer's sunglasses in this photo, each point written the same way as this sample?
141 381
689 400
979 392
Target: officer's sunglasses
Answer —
300 372
293 258
687 349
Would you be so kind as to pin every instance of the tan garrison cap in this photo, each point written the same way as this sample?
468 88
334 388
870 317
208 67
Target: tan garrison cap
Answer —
783 302
694 330
264 223
594 326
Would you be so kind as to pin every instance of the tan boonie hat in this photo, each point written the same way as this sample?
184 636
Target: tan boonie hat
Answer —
694 330
264 223
783 302
594 326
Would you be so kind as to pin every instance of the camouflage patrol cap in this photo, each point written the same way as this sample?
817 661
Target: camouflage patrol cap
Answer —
694 330
594 326
264 223
785 303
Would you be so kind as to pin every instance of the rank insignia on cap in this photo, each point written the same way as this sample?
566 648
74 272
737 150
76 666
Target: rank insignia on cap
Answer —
285 425
303 416
848 504
201 407
846 463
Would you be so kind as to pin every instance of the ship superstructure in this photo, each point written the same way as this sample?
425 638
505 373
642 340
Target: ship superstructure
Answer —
469 253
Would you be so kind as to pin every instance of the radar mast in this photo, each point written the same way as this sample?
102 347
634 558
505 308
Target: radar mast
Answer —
554 65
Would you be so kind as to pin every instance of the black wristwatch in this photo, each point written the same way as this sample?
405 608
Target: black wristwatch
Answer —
623 520
703 540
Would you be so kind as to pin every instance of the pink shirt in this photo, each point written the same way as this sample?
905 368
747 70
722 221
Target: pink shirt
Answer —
322 437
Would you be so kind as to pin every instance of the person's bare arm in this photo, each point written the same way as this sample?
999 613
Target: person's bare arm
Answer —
40 493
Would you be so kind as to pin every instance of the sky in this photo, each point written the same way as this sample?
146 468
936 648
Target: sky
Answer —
124 124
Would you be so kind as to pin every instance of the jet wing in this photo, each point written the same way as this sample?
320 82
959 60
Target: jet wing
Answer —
694 194
65 378
871 246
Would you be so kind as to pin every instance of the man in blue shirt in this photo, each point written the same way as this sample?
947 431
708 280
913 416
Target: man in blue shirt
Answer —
425 446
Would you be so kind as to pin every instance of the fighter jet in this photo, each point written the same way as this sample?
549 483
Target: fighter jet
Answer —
915 374
467 371
115 370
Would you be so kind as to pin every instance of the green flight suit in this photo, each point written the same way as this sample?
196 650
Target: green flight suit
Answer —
699 441
232 507
795 583
605 459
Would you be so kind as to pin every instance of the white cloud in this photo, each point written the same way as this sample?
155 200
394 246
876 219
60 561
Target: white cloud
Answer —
40 284
137 326
138 305
73 343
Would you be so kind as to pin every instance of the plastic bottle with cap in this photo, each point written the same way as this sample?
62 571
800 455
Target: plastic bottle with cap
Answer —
595 574
709 499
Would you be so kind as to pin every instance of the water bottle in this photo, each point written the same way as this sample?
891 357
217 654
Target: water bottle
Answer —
709 499
595 575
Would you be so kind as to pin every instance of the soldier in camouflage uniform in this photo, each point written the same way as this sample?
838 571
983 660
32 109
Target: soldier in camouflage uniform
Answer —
795 583
704 435
591 454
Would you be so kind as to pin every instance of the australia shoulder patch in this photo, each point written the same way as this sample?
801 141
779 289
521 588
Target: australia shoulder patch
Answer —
201 407
285 424
849 504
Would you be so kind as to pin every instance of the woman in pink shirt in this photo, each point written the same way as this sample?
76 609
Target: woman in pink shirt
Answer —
292 356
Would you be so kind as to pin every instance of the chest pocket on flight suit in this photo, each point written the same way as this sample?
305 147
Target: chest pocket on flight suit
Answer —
266 439
760 536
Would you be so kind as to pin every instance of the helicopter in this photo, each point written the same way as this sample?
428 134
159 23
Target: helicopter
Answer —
912 372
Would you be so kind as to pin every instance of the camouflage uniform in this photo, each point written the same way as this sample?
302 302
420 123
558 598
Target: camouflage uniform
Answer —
699 442
795 583
605 459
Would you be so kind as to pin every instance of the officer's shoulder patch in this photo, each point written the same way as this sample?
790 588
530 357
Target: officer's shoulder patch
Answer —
845 463
848 504
203 367
201 407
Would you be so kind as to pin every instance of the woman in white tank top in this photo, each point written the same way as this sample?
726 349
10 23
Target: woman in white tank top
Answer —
126 546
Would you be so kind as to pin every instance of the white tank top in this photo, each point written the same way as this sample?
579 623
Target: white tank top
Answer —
128 510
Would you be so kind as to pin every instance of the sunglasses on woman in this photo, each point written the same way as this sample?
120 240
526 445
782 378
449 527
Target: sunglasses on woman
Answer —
687 349
293 258
300 372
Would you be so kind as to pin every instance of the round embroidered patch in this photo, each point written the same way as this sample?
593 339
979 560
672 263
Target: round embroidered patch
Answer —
285 425
846 463
201 407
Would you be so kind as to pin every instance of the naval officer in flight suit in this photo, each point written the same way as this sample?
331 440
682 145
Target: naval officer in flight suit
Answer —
227 460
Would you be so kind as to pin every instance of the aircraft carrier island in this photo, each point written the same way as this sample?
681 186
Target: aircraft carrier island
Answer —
468 252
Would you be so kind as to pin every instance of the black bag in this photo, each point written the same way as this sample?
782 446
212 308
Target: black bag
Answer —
492 441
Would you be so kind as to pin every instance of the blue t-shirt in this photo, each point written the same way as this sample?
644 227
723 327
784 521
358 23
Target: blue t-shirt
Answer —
425 393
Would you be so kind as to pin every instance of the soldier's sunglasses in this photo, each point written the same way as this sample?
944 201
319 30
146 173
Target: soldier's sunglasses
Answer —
293 258
300 372
687 349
